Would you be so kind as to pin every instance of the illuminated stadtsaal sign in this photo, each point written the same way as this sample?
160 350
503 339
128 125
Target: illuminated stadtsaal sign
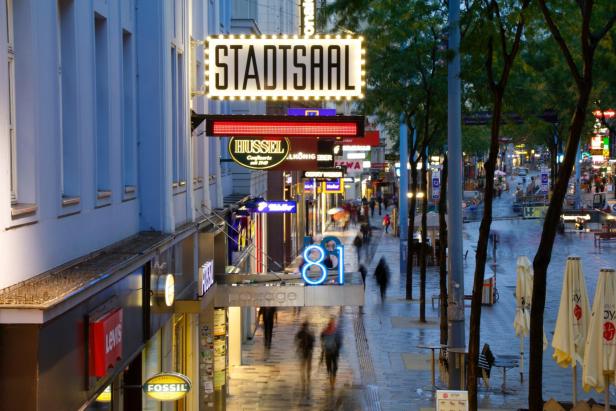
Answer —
285 67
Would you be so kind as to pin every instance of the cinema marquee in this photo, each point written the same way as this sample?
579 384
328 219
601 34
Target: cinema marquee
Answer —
282 67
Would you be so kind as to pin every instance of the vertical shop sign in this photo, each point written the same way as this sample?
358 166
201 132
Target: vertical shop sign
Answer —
545 181
308 12
436 185
206 277
106 342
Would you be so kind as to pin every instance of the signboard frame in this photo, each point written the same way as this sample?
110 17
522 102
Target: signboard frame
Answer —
233 61
275 159
224 125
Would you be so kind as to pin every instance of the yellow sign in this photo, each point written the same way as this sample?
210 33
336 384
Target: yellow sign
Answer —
167 386
105 396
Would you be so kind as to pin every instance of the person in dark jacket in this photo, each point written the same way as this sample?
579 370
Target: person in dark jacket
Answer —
304 341
381 274
331 342
268 314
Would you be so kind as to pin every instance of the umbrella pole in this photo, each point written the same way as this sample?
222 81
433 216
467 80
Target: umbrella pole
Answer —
607 396
574 369
521 359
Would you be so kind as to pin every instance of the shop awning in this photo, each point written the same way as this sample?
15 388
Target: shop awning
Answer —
286 290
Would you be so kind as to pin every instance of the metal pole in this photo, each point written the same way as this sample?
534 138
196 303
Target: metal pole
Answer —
403 193
455 310
578 176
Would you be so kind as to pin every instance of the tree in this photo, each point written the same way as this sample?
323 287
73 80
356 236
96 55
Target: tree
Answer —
590 29
500 23
405 73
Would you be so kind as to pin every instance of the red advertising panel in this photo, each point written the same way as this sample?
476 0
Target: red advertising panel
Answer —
284 126
371 138
105 342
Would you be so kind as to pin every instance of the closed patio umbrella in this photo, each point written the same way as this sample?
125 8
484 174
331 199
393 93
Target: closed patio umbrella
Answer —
523 298
573 319
600 349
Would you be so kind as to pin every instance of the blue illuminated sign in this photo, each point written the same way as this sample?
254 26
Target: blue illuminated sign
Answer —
318 262
282 206
333 185
311 112
309 184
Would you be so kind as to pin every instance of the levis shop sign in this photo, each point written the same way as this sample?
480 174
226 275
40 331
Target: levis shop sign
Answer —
105 342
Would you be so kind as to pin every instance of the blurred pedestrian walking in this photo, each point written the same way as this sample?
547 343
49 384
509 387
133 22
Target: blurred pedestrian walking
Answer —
364 273
268 314
386 222
380 201
331 343
372 205
304 341
358 243
381 274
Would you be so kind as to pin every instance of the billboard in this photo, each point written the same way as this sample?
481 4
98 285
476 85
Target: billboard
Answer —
282 67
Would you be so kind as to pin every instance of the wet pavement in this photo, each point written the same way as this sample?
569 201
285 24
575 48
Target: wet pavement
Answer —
381 366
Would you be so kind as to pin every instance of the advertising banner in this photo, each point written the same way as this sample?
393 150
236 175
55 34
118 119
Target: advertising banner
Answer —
545 181
311 112
352 166
268 126
436 185
284 67
371 138
258 154
451 400
308 12
333 185
276 207
333 173
105 342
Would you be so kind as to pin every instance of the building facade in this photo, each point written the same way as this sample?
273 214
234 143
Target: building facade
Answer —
116 209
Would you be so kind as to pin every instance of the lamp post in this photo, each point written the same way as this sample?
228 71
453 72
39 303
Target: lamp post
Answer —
455 286
402 197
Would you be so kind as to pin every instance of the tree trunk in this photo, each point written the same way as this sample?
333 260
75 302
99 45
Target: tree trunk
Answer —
424 241
442 257
481 255
411 248
544 252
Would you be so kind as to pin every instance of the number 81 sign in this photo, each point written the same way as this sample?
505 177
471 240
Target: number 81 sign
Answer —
318 262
